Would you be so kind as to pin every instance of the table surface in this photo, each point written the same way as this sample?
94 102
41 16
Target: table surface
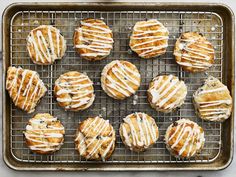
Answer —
6 172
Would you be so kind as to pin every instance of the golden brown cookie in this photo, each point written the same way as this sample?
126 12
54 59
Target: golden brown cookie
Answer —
93 39
184 138
212 101
95 139
138 131
45 44
74 91
149 38
166 93
44 134
193 52
120 79
25 88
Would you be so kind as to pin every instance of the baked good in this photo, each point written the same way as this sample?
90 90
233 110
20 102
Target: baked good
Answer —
74 91
95 139
166 93
120 79
25 88
138 131
212 101
93 39
193 52
44 134
45 44
149 38
184 138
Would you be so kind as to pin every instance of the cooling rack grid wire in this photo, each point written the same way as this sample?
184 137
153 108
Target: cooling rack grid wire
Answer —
121 22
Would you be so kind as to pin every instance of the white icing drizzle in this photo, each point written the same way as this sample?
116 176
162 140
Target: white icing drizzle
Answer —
213 110
162 91
38 131
101 125
46 52
100 42
81 94
36 92
194 57
193 134
123 77
146 131
149 37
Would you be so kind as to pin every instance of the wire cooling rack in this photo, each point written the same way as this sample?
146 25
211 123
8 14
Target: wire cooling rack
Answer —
121 22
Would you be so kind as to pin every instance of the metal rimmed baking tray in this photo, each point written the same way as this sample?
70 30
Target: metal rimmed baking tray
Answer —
215 21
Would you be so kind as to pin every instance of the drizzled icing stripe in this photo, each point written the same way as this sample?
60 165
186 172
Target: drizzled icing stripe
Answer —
163 91
46 52
99 39
214 110
121 80
194 135
143 135
99 125
80 92
148 37
38 131
192 56
30 95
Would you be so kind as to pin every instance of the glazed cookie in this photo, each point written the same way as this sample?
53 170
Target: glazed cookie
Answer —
93 39
149 38
212 101
138 131
45 44
95 139
193 52
74 91
184 138
166 93
120 79
44 134
25 88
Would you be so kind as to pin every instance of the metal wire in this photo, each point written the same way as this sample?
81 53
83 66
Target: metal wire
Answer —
208 23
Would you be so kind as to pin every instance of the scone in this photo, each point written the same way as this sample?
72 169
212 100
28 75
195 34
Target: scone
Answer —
25 88
120 79
95 139
74 91
44 134
138 131
93 39
149 38
212 101
184 138
166 93
193 52
45 44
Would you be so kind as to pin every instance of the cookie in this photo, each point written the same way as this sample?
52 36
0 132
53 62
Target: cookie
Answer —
184 138
166 93
45 44
95 139
93 40
149 39
212 101
25 88
193 52
120 79
74 91
44 134
138 131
